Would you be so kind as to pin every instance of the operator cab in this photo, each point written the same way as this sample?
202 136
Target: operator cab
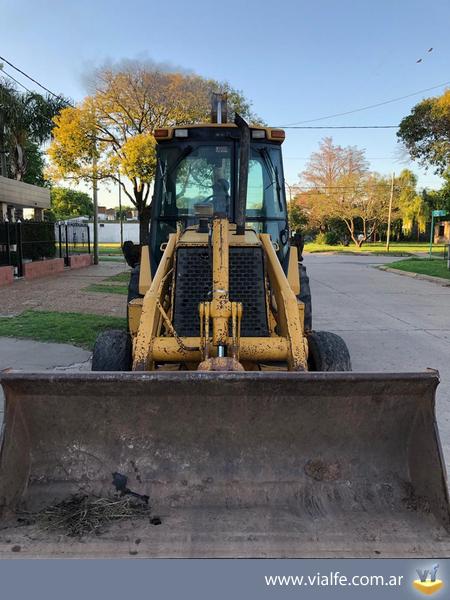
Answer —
197 173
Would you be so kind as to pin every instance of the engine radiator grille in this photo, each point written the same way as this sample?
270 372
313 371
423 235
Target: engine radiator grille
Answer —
193 281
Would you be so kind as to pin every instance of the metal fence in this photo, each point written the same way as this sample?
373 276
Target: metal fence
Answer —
27 241
72 238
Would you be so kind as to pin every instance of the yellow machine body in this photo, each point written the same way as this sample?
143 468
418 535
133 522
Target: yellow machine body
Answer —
156 342
246 444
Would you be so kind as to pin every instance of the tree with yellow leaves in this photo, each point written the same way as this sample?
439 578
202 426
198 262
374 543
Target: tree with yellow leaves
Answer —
412 208
109 136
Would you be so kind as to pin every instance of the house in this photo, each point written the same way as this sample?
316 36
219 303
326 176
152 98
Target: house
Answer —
442 232
15 196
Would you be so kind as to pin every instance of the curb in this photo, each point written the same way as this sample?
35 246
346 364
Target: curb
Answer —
439 280
356 253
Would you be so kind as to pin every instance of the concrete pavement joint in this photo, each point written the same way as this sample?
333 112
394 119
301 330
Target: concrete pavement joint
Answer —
429 332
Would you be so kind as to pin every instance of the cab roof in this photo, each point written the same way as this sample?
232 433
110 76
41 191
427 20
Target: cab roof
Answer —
181 132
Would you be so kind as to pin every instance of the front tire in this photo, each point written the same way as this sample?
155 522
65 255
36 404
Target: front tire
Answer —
112 351
327 352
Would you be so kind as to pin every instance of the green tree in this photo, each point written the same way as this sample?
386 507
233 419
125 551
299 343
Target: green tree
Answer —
426 132
66 203
35 171
125 211
438 199
412 210
25 124
298 218
116 124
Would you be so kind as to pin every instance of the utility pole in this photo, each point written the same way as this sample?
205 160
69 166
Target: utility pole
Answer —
95 202
388 236
3 166
120 211
289 188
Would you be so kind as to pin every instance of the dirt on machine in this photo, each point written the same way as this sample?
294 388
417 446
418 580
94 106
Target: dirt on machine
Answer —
238 429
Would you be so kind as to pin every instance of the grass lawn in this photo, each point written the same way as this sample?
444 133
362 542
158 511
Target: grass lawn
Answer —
424 266
65 328
111 249
107 249
396 248
107 289
121 277
111 258
116 284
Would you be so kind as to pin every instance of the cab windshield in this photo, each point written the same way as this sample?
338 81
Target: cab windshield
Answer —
195 177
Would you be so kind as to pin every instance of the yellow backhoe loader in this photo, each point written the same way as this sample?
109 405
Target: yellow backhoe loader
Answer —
244 426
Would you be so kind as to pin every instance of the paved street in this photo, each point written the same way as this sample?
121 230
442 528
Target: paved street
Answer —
390 322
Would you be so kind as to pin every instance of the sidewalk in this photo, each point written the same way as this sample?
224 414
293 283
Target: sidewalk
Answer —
27 355
64 293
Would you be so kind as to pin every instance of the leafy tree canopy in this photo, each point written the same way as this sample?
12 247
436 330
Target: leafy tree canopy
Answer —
116 124
340 187
411 206
25 125
438 199
426 132
35 171
66 203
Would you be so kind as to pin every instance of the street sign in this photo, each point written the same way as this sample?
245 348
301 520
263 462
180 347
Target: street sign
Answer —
435 213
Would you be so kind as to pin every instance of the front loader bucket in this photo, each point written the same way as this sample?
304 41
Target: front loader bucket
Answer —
246 464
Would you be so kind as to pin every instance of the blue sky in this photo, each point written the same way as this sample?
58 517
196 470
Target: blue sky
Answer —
295 60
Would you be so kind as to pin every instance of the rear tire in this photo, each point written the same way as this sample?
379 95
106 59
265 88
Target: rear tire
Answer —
327 352
112 351
305 296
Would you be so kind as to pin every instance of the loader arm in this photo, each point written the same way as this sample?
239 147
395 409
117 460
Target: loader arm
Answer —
157 341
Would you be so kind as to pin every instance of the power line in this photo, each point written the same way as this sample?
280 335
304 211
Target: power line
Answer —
28 90
287 127
340 126
367 157
348 112
296 125
16 80
290 126
318 188
58 96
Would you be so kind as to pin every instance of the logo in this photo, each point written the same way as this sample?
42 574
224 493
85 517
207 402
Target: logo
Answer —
428 583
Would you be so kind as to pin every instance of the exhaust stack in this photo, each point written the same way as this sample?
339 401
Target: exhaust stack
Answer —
219 112
244 157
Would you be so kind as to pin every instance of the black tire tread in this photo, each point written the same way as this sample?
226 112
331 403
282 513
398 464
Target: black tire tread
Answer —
112 351
327 352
